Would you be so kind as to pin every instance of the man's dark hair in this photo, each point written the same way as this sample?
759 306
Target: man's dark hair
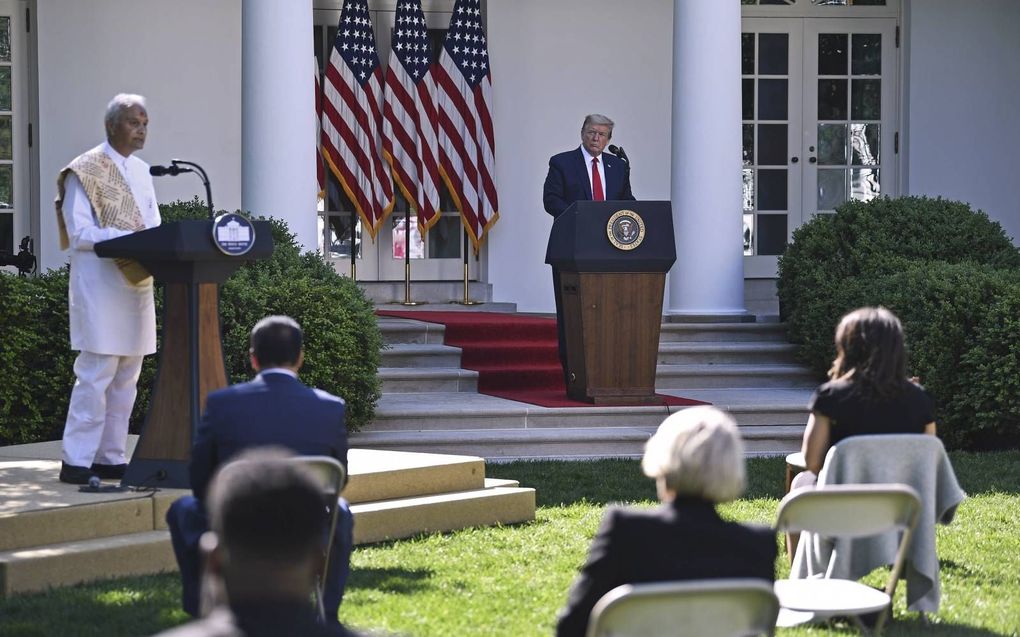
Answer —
264 506
276 341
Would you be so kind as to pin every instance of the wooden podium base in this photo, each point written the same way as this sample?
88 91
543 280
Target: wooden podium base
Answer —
612 322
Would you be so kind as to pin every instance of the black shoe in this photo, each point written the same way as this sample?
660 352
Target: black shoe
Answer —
109 471
74 475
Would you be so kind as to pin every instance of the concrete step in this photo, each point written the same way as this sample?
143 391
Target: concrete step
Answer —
680 377
419 355
396 331
567 442
722 332
403 380
706 353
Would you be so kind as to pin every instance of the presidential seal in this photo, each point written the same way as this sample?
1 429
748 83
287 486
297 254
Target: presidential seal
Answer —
233 234
626 229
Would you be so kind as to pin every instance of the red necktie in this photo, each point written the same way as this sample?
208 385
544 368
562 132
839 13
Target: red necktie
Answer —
596 181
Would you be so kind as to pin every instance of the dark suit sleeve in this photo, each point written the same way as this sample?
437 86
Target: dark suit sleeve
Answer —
598 576
554 191
625 192
203 451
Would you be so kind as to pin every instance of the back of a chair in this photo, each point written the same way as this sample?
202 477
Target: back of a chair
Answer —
719 607
849 510
332 478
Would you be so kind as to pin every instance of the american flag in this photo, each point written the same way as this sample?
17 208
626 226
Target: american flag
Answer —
352 117
409 115
464 98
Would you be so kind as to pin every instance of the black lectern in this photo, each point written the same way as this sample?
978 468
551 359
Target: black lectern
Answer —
183 257
612 258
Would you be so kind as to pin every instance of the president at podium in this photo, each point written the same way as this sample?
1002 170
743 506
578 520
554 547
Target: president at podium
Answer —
583 174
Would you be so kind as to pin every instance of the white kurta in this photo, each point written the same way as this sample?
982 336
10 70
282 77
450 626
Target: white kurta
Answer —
108 315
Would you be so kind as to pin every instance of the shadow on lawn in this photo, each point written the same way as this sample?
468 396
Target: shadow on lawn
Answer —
390 580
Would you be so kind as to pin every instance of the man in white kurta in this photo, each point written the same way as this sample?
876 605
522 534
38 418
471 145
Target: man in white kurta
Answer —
112 315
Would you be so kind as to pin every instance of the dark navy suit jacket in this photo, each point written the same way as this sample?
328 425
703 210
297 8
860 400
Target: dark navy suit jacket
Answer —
683 540
567 181
272 409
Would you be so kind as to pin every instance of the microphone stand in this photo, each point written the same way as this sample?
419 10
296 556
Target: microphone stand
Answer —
205 181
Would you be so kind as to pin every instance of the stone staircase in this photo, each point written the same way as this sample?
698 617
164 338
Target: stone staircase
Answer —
430 404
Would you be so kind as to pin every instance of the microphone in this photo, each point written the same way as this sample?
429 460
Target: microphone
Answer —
618 151
94 482
96 486
173 170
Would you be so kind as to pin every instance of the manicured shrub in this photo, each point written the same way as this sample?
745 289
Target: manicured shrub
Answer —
342 341
940 267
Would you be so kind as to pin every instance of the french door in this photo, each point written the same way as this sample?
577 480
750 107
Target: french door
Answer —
14 162
819 124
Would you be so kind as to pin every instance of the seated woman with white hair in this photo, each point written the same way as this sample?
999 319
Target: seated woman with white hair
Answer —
697 461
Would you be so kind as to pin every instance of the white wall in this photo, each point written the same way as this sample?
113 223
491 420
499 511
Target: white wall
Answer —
183 56
553 63
963 131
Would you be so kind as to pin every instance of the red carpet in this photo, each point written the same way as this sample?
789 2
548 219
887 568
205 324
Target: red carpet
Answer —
515 356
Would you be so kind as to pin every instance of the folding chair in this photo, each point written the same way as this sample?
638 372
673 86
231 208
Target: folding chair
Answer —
846 511
718 607
333 478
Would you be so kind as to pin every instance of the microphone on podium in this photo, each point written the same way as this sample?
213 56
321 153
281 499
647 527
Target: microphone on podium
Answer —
173 170
618 151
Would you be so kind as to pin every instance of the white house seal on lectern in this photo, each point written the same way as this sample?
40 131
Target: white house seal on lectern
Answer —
233 234
626 229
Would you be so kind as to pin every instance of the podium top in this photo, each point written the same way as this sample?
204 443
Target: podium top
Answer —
613 236
183 251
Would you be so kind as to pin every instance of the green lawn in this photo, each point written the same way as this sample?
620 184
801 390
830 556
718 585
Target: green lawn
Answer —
512 580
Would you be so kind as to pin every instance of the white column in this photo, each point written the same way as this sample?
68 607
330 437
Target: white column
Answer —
708 277
278 114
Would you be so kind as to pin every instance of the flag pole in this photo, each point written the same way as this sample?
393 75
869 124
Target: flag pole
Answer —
467 297
407 260
354 247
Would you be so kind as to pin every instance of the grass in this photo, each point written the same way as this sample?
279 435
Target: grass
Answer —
512 580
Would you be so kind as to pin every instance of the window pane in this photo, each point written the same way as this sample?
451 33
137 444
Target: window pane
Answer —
773 53
340 236
6 144
771 234
867 54
7 232
747 93
747 53
831 99
865 142
832 144
748 143
748 189
402 240
832 53
831 188
445 238
772 189
772 144
748 235
5 88
864 184
5 39
772 98
6 186
866 99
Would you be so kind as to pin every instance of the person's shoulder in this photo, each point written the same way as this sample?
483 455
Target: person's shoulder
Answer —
220 623
565 156
325 396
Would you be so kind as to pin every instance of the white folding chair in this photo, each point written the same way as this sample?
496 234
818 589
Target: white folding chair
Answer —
332 477
718 607
846 511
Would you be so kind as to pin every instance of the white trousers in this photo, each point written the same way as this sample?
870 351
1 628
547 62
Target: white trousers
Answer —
97 418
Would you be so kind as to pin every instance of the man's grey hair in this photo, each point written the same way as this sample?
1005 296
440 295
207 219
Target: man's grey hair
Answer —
118 105
600 120
698 452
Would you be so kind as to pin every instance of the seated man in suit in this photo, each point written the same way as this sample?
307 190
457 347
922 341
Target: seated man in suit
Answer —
273 409
584 174
697 460
264 549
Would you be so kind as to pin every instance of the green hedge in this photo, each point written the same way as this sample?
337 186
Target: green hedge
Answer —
948 272
342 341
